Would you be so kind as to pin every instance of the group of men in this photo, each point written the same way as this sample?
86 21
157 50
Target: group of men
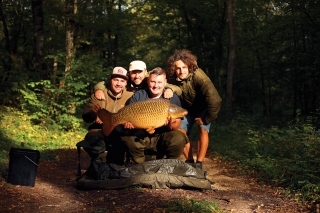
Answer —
123 88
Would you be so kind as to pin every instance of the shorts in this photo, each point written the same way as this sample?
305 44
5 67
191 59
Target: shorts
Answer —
188 121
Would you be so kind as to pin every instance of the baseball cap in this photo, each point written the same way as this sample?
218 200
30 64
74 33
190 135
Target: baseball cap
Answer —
137 65
119 72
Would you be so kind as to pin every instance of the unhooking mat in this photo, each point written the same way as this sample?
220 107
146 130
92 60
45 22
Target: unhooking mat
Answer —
156 174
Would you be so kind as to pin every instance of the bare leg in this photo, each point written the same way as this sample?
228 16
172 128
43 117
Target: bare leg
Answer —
203 142
187 151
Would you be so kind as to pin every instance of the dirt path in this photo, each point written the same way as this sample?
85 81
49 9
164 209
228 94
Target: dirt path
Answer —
55 191
241 194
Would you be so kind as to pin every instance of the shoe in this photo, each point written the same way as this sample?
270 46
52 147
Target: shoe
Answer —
198 165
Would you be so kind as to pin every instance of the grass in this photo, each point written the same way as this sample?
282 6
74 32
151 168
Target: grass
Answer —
191 205
17 130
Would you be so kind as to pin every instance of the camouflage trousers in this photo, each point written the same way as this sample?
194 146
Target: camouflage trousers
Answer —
168 144
96 144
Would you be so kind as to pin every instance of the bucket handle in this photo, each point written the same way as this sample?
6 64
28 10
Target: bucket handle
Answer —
31 160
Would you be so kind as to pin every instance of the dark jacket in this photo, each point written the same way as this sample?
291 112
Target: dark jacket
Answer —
198 95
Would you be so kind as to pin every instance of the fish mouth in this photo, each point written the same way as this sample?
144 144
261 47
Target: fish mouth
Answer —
182 117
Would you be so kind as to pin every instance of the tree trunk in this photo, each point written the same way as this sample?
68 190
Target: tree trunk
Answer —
111 49
54 70
38 35
232 54
265 105
71 11
12 57
190 29
219 47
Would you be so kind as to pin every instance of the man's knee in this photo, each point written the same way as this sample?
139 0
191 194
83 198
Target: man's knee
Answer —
175 142
135 148
93 145
178 138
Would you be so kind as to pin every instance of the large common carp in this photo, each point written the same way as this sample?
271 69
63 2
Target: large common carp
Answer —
148 114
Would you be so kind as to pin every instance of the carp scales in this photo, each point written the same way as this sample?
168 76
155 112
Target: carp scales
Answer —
148 114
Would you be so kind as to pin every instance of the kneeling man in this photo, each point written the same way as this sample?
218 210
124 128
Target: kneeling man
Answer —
167 141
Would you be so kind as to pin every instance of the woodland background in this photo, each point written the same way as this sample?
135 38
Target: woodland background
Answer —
262 56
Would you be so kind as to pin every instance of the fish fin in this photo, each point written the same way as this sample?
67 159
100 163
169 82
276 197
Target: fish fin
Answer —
150 130
106 117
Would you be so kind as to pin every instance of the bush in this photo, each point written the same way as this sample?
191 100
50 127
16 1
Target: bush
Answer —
288 156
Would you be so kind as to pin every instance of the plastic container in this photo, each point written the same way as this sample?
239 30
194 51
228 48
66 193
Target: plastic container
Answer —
23 166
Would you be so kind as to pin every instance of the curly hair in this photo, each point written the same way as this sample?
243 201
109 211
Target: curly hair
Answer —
186 57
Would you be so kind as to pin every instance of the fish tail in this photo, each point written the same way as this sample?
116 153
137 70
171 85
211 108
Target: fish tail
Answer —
106 117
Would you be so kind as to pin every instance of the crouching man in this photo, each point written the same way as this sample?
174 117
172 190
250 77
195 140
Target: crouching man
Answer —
95 143
167 141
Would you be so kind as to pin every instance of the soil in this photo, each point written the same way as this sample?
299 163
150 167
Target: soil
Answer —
55 190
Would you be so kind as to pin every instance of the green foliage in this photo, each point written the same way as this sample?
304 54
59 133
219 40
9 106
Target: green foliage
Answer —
191 205
55 106
19 131
52 106
288 157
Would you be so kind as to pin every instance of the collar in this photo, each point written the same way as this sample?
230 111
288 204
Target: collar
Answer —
113 96
187 78
149 95
141 86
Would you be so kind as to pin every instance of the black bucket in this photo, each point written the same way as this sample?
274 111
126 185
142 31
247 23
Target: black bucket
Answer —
23 166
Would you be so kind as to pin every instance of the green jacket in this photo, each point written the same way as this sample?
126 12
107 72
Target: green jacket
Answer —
198 95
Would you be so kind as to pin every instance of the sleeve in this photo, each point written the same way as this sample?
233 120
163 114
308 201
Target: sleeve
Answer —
138 96
175 89
133 99
175 100
89 115
211 95
102 85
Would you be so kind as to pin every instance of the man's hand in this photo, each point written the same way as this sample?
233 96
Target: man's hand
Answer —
96 108
128 125
99 95
173 123
98 120
198 121
168 93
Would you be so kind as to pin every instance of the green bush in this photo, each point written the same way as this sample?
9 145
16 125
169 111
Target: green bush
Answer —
286 156
57 106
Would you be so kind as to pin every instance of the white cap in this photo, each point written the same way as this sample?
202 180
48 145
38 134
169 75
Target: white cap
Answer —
137 65
119 72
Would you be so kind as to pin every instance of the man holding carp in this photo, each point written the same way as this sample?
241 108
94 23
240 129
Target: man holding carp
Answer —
166 138
161 136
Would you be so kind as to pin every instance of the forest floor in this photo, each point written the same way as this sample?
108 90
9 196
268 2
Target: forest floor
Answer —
56 190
